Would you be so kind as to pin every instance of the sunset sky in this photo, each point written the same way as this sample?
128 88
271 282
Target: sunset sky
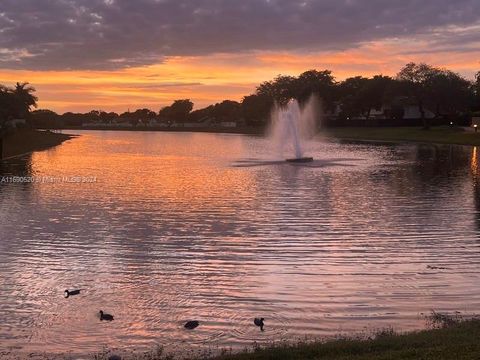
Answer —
123 54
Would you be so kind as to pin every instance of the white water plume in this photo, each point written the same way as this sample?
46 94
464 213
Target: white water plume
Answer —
292 124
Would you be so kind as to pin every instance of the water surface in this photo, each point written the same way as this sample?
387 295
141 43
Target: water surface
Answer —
161 228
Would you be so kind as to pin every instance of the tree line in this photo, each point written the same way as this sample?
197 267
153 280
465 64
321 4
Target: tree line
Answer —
179 112
441 91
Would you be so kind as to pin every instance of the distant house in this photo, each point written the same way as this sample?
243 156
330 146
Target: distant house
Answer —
228 124
193 125
123 122
412 112
378 113
409 112
202 123
153 122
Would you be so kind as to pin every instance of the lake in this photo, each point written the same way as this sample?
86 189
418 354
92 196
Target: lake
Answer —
158 228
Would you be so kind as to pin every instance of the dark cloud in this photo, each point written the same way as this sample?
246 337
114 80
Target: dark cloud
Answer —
110 34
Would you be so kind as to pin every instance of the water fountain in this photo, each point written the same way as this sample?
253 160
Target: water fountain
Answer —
291 124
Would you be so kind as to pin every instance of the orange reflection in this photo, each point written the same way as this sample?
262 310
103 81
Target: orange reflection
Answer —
474 163
152 172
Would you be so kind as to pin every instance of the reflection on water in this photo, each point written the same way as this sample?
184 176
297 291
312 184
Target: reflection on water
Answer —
182 226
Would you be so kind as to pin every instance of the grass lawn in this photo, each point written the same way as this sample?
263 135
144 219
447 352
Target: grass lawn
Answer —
457 342
441 135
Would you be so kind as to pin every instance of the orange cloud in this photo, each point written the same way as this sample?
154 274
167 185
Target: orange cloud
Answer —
209 79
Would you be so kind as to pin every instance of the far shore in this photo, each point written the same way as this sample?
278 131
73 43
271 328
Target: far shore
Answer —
436 134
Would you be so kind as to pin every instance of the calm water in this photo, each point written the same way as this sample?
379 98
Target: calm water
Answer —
180 226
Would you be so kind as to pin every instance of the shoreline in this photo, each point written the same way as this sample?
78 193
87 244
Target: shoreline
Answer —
26 141
246 130
457 340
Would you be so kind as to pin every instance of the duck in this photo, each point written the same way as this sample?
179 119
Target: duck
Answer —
68 293
104 316
192 324
259 322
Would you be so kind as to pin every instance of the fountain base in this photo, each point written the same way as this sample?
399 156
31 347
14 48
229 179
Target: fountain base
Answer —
300 160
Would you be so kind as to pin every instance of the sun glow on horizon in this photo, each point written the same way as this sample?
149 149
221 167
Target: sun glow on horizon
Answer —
210 79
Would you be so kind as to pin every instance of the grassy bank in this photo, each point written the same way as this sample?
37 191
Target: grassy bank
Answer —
26 141
460 341
440 135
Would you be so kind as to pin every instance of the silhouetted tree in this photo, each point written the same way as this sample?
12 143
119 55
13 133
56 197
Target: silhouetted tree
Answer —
227 110
447 93
178 111
280 89
321 83
351 93
376 93
24 99
417 84
46 119
142 116
125 115
16 102
94 116
201 115
74 119
476 93
256 109
107 117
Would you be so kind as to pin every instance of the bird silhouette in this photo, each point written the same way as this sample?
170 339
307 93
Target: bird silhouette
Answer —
69 293
106 317
192 324
259 322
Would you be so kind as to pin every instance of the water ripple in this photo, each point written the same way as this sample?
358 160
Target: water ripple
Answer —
217 231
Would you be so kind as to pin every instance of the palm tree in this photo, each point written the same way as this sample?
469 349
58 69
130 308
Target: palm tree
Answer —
23 94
